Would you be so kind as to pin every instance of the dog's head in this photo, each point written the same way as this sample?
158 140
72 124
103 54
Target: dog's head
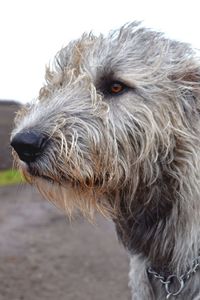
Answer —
117 114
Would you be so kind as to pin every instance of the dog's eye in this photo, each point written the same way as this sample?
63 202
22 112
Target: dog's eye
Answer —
116 87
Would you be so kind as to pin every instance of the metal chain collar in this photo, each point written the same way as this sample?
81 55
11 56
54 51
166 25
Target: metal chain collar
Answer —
168 281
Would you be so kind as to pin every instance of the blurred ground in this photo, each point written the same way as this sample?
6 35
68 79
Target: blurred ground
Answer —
43 256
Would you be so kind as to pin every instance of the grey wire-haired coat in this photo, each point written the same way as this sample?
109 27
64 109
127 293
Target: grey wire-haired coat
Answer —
116 129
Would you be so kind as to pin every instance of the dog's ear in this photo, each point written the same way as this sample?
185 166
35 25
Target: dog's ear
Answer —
189 89
191 76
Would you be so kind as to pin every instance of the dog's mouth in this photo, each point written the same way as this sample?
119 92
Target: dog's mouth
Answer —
31 173
47 178
50 179
34 171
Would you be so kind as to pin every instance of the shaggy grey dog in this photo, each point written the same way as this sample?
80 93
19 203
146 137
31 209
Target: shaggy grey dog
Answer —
116 129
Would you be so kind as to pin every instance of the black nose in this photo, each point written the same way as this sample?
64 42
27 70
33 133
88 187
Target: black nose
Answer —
29 145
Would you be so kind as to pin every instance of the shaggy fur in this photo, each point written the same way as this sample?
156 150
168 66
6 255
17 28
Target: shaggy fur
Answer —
134 155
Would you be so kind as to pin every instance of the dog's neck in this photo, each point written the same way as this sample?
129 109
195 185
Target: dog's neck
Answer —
164 229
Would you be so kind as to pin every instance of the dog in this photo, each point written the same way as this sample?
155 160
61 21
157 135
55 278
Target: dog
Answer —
116 129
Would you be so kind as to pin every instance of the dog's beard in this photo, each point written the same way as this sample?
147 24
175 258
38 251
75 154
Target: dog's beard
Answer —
70 197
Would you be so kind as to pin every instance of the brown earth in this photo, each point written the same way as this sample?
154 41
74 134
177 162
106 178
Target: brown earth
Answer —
44 257
7 114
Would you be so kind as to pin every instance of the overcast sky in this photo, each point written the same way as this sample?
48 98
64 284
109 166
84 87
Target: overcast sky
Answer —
32 31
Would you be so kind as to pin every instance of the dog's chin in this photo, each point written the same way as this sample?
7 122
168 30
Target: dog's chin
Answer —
68 195
62 196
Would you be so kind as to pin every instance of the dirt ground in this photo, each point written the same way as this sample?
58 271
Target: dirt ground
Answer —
43 256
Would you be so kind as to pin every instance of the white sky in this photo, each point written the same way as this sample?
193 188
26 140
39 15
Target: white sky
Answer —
32 31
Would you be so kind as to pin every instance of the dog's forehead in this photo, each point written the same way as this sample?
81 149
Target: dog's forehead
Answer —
128 43
130 47
88 53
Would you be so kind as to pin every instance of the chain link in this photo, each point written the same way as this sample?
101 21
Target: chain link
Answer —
168 281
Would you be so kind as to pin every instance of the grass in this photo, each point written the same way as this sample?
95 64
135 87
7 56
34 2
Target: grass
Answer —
10 177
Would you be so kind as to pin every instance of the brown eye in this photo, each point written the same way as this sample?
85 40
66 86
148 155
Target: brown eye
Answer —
116 87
